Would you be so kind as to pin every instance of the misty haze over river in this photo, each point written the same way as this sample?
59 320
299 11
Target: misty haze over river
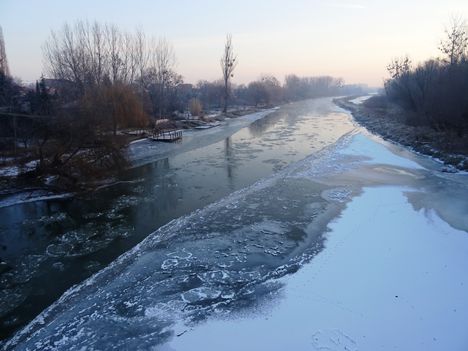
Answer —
264 198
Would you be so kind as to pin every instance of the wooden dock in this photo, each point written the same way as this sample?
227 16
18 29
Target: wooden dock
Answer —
167 136
208 125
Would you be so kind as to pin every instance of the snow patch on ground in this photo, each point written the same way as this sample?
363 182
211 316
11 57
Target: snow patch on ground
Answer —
360 100
14 171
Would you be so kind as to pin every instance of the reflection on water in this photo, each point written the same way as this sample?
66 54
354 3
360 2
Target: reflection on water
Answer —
64 241
228 154
262 125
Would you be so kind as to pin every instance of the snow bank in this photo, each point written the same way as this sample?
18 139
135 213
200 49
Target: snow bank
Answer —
14 171
360 100
389 278
376 153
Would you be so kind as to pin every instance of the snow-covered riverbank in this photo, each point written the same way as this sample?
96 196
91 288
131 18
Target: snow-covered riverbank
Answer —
387 120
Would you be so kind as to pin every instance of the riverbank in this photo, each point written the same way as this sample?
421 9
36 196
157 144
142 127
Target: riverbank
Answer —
17 187
388 121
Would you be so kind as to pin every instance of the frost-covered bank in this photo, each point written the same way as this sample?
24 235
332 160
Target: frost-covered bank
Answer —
389 121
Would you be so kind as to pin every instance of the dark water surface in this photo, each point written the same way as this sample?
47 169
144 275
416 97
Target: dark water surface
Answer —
54 244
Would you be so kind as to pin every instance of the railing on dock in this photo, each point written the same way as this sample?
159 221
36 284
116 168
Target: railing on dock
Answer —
167 135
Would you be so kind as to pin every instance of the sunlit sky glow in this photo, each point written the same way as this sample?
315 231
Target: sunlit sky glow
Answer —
353 39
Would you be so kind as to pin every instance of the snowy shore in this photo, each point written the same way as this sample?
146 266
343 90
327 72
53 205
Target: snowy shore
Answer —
388 121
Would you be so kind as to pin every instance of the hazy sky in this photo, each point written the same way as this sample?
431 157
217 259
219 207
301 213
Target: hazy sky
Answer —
353 39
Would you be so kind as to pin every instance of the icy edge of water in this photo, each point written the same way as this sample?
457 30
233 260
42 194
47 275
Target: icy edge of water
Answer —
22 198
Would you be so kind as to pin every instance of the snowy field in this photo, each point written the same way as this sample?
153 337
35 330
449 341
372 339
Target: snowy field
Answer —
352 248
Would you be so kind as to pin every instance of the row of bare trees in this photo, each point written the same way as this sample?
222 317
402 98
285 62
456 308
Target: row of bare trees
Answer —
435 92
268 90
102 79
108 80
92 55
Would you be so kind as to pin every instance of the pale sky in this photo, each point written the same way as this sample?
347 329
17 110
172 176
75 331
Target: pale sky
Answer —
352 39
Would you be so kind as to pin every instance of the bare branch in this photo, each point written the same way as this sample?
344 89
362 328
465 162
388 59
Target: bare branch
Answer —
455 44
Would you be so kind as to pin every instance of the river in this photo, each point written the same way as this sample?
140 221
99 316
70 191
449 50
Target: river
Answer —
65 240
301 230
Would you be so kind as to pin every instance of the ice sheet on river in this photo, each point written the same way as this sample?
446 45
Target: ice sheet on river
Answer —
230 256
396 282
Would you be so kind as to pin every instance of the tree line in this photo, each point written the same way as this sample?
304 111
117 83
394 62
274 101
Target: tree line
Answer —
435 92
101 80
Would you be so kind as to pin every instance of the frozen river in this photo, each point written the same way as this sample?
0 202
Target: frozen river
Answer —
65 240
307 233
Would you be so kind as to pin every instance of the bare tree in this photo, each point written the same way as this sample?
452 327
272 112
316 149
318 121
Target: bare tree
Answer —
399 66
400 84
211 93
164 62
160 78
228 64
3 57
141 55
113 106
59 56
92 54
455 44
195 107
